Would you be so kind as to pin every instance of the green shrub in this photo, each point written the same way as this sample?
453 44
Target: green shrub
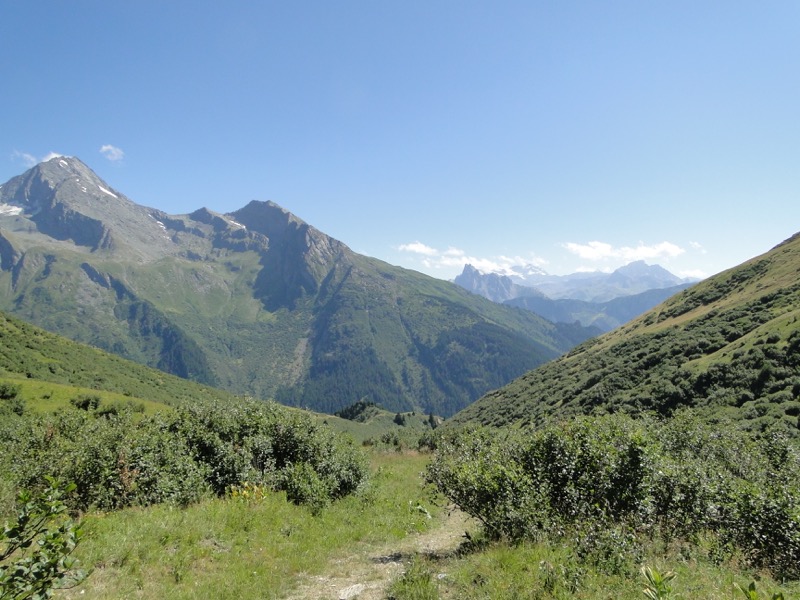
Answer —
9 391
304 486
122 460
86 402
10 400
608 481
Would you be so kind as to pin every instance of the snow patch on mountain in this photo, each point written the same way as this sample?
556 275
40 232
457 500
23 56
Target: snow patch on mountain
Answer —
105 191
10 209
232 222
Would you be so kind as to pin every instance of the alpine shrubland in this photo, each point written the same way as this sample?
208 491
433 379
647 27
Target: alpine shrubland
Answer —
609 487
121 459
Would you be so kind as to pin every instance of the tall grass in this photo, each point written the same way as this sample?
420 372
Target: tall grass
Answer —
537 571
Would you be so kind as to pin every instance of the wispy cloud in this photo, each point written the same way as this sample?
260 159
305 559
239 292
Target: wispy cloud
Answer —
418 248
112 153
598 251
433 258
698 246
29 160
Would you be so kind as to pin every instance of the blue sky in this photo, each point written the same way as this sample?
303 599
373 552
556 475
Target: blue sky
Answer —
572 135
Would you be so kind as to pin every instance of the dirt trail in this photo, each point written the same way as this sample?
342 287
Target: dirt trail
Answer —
367 572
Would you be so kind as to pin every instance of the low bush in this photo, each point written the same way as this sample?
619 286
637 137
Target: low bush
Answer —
611 481
10 400
117 458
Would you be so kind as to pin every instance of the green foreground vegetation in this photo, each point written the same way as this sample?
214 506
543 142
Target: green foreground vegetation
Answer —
615 493
259 545
117 459
612 518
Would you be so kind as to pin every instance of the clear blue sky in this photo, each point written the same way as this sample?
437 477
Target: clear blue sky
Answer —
577 135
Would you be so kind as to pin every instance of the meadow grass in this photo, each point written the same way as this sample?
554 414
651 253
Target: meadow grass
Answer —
237 548
45 396
533 571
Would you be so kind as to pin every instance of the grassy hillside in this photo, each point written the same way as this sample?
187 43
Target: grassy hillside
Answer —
41 358
50 371
373 426
729 346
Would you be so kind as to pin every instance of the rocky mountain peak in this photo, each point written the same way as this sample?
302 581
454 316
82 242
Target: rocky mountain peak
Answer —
256 300
63 199
62 179
494 286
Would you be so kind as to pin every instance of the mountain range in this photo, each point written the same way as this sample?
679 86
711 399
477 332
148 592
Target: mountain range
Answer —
602 300
255 301
728 346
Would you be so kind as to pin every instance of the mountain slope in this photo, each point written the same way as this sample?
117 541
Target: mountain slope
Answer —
34 354
728 345
256 301
603 315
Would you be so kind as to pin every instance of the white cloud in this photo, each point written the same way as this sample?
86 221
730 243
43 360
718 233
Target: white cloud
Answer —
591 251
418 248
26 158
597 251
29 160
698 246
112 153
455 258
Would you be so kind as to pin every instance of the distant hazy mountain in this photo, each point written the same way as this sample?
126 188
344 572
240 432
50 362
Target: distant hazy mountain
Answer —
596 286
494 286
255 301
604 300
603 315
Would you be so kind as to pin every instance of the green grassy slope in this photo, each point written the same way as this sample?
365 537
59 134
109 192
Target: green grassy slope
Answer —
50 370
729 345
49 365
